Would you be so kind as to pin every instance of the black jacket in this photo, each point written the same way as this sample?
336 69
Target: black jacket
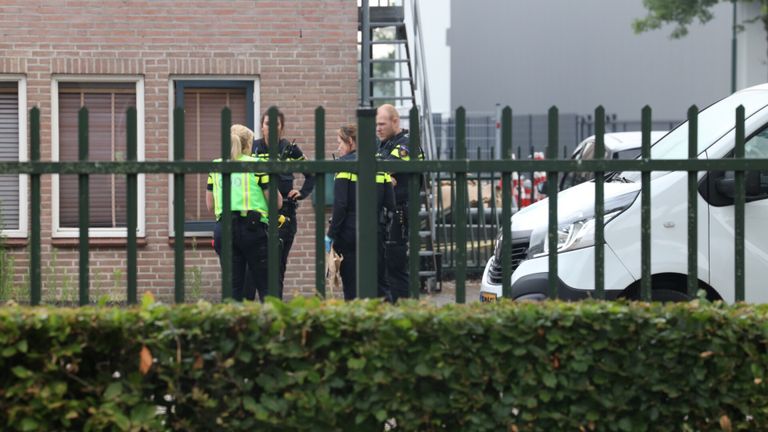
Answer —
343 226
286 152
396 148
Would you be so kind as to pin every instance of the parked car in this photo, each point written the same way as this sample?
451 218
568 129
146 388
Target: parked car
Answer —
669 228
618 145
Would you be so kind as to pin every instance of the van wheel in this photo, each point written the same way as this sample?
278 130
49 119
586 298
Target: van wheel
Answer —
661 291
669 295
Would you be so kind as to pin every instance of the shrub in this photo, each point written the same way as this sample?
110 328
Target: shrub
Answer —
327 366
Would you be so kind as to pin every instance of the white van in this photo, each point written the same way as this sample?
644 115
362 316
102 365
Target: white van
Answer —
618 145
669 229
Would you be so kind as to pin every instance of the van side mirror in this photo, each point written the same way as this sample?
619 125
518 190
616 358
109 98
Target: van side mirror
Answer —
756 185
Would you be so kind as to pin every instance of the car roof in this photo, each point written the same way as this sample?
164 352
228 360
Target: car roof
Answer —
621 141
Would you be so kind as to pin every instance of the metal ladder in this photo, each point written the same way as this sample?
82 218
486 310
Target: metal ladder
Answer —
409 80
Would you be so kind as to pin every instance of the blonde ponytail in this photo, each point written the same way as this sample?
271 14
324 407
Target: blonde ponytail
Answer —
242 140
237 148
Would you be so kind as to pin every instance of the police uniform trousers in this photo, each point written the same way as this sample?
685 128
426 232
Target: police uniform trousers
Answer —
287 233
397 255
348 269
385 286
249 250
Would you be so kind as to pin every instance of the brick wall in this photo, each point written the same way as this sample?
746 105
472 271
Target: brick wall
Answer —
304 53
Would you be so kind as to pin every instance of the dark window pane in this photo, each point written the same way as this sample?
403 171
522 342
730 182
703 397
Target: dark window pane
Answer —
107 137
202 131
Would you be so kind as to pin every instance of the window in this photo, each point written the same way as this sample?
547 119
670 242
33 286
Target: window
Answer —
757 146
107 103
203 101
13 147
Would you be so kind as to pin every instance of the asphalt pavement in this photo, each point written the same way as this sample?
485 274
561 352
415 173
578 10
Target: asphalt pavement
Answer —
448 292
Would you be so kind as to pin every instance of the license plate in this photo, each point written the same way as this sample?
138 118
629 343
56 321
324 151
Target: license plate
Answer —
486 297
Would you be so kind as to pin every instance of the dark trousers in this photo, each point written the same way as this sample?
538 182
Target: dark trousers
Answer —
287 233
348 269
396 253
249 250
385 286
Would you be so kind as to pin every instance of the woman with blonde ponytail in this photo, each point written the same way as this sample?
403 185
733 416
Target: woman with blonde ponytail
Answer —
249 217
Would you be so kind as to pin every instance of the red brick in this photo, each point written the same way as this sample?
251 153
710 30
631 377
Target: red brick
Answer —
160 38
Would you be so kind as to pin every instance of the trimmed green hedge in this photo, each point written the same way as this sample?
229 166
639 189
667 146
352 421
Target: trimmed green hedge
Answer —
312 366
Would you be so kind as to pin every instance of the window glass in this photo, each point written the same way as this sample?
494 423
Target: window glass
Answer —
757 146
202 133
107 136
9 152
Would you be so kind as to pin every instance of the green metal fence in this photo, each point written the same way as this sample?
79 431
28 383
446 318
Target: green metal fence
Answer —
366 167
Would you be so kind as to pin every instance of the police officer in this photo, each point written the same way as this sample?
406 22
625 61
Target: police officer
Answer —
394 146
249 218
342 232
286 152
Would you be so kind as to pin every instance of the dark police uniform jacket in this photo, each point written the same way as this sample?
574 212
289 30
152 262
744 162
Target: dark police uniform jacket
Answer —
343 226
396 148
286 152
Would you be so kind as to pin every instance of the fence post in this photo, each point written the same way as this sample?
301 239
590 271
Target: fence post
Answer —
367 220
506 205
460 209
693 153
645 209
35 279
599 205
739 200
452 194
178 206
84 205
476 231
414 224
552 195
226 206
519 202
273 261
132 208
320 203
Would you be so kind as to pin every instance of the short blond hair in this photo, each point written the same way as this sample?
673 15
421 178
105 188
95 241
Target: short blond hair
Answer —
390 110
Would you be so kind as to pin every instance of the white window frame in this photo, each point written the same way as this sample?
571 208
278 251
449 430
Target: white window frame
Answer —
23 230
171 105
62 232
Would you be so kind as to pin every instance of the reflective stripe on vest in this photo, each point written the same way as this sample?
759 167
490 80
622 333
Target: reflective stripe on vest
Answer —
246 194
380 177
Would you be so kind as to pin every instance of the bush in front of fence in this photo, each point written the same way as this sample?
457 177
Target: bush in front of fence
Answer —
318 366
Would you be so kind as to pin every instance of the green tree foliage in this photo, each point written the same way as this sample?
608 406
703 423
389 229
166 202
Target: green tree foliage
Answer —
682 13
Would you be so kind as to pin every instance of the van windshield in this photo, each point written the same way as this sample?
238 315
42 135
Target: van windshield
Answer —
714 122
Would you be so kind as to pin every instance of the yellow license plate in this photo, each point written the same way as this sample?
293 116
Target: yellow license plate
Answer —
486 297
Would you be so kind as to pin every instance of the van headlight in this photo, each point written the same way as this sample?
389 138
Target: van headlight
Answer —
577 230
497 246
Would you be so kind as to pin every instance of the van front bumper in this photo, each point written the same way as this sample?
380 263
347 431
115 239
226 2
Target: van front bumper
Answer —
536 287
575 280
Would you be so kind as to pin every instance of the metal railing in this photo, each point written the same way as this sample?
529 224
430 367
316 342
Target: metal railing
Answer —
366 167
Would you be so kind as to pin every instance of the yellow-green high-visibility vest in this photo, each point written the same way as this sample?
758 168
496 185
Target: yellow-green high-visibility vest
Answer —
246 191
